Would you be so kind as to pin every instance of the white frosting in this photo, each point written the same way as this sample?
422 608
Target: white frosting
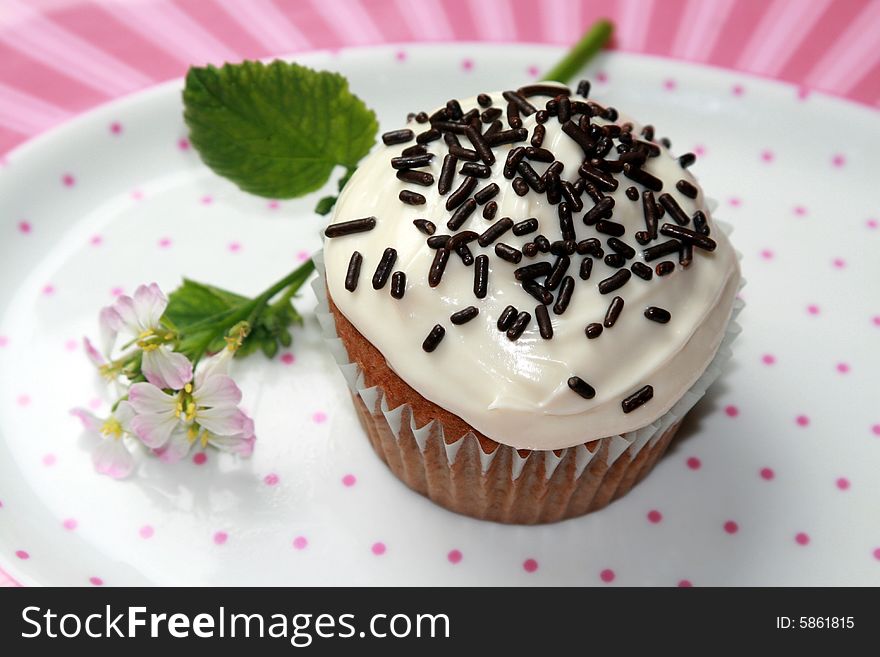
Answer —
516 392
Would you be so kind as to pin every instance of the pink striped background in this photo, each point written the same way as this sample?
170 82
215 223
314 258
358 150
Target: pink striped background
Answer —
61 57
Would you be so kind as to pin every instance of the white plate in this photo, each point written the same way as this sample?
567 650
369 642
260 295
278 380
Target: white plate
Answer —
797 177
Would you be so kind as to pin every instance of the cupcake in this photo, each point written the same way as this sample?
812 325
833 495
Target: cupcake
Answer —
526 292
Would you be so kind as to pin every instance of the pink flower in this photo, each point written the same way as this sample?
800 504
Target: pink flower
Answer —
111 455
140 317
206 411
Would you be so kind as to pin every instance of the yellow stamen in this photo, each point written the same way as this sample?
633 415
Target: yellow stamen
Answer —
192 433
204 438
111 428
188 388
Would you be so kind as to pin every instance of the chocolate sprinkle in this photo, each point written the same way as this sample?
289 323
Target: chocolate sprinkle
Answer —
530 249
571 196
686 160
417 177
674 209
622 248
383 269
418 149
467 258
602 210
506 136
398 284
488 192
658 315
538 291
539 154
505 319
350 227
495 231
535 270
700 224
701 241
543 90
593 331
615 260
520 101
461 215
466 154
642 177
545 326
427 227
632 193
599 178
475 169
566 289
459 195
531 176
642 270
519 325
614 310
580 137
411 198
354 271
491 114
460 239
649 209
434 338
490 210
464 315
590 246
581 387
513 159
636 399
610 228
520 186
560 267
438 266
538 135
586 268
508 253
397 137
428 136
480 145
686 254
583 88
514 120
660 250
484 100
686 188
617 280
664 268
642 237
481 276
438 241
447 172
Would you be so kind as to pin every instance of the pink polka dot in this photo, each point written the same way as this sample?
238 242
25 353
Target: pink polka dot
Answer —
533 71
684 584
802 420
23 400
876 429
530 565
116 128
737 90
378 549
220 538
842 483
349 480
70 524
137 194
467 65
273 205
271 479
843 368
801 538
654 516
71 345
767 254
694 463
813 309
731 527
669 84
699 150
302 256
116 291
400 55
767 474
22 554
68 180
96 581
839 263
300 542
95 403
49 460
800 211
164 242
96 240
803 92
877 554
200 458
454 556
3 341
234 247
183 144
767 156
48 290
601 76
872 223
319 417
731 411
838 161
24 227
146 532
206 200
876 320
768 359
734 201
607 575
288 358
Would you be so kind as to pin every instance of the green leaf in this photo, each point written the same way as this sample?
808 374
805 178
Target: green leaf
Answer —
193 302
275 130
325 205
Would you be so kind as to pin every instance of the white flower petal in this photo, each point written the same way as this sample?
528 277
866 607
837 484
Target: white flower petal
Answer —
110 323
91 422
125 309
213 365
217 390
150 304
124 414
177 447
240 444
153 430
111 457
225 421
147 398
166 369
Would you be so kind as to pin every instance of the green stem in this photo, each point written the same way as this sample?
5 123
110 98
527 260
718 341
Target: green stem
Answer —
582 52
